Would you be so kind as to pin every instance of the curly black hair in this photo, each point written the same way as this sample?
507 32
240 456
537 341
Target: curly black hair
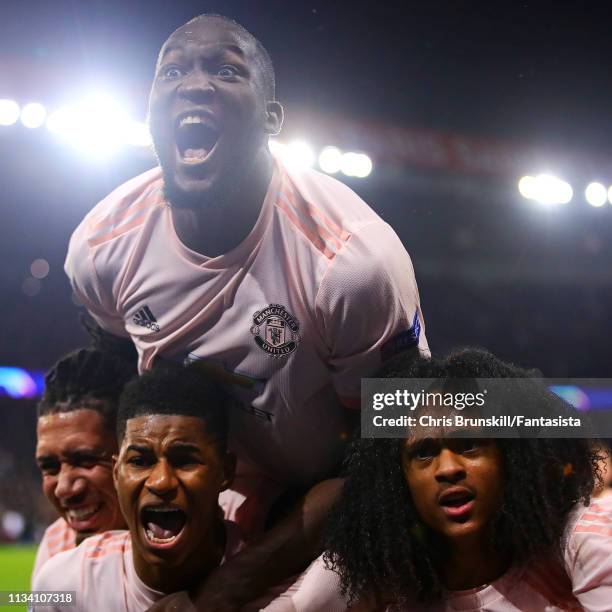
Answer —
375 539
84 375
172 389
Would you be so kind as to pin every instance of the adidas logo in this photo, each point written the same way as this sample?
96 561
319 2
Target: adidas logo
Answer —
144 317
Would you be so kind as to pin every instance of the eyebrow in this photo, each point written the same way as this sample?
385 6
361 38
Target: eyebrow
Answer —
185 446
139 448
221 48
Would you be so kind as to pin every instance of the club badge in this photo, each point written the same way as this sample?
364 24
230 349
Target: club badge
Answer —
276 330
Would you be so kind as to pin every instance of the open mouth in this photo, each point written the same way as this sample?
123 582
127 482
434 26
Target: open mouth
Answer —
196 136
457 505
162 525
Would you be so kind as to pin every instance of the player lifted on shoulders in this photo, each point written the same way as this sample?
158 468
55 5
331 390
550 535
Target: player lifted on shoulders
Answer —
283 282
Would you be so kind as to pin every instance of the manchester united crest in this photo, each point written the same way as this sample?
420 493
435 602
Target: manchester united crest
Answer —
276 330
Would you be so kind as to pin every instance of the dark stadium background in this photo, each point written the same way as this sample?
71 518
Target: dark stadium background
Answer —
519 87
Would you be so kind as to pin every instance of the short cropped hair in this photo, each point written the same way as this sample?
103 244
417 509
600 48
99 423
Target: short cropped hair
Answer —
82 376
170 389
262 57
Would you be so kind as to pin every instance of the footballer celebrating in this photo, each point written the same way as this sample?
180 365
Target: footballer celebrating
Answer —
282 282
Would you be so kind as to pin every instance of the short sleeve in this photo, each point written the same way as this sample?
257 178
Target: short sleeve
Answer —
79 267
588 557
368 307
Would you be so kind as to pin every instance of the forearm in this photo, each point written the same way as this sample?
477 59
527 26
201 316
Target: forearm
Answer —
283 551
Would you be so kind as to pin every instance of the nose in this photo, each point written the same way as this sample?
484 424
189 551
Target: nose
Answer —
449 467
69 484
197 87
162 481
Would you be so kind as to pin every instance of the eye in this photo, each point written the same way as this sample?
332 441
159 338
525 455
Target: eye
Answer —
49 468
425 450
173 72
227 72
469 445
139 461
185 461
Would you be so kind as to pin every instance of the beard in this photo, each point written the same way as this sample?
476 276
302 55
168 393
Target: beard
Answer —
227 188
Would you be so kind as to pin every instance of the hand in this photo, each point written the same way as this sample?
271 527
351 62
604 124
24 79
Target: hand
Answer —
176 602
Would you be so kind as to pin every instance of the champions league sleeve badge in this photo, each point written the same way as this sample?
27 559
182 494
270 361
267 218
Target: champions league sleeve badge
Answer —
275 330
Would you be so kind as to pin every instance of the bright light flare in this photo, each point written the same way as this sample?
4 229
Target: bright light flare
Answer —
96 125
33 115
546 189
137 134
9 112
356 164
300 154
297 154
330 160
596 194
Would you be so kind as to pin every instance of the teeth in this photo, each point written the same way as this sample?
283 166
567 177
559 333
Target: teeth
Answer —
190 119
151 537
79 514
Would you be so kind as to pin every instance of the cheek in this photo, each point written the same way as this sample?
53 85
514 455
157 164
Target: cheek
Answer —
48 487
102 480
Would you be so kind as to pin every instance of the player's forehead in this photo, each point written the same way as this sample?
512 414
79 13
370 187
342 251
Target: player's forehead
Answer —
159 432
208 35
82 423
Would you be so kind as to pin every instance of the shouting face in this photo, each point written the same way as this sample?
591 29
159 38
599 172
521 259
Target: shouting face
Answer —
208 112
168 475
456 484
73 452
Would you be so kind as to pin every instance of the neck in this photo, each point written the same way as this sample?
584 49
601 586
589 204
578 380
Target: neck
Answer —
222 225
472 563
186 573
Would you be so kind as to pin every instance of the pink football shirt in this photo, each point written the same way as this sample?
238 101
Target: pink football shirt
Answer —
57 538
584 582
315 297
101 573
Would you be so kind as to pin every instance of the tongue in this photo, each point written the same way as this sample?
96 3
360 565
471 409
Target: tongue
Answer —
195 154
159 532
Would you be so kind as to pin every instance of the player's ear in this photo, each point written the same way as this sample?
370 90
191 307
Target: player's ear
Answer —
229 470
114 459
274 117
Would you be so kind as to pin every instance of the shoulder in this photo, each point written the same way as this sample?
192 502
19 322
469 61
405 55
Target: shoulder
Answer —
121 209
596 518
59 537
323 209
587 546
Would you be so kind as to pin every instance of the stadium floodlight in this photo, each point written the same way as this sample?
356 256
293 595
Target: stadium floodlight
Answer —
300 154
297 154
137 134
9 112
330 160
96 125
596 194
33 115
17 383
546 189
356 164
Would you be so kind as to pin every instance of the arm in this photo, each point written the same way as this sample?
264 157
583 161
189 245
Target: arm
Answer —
283 551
